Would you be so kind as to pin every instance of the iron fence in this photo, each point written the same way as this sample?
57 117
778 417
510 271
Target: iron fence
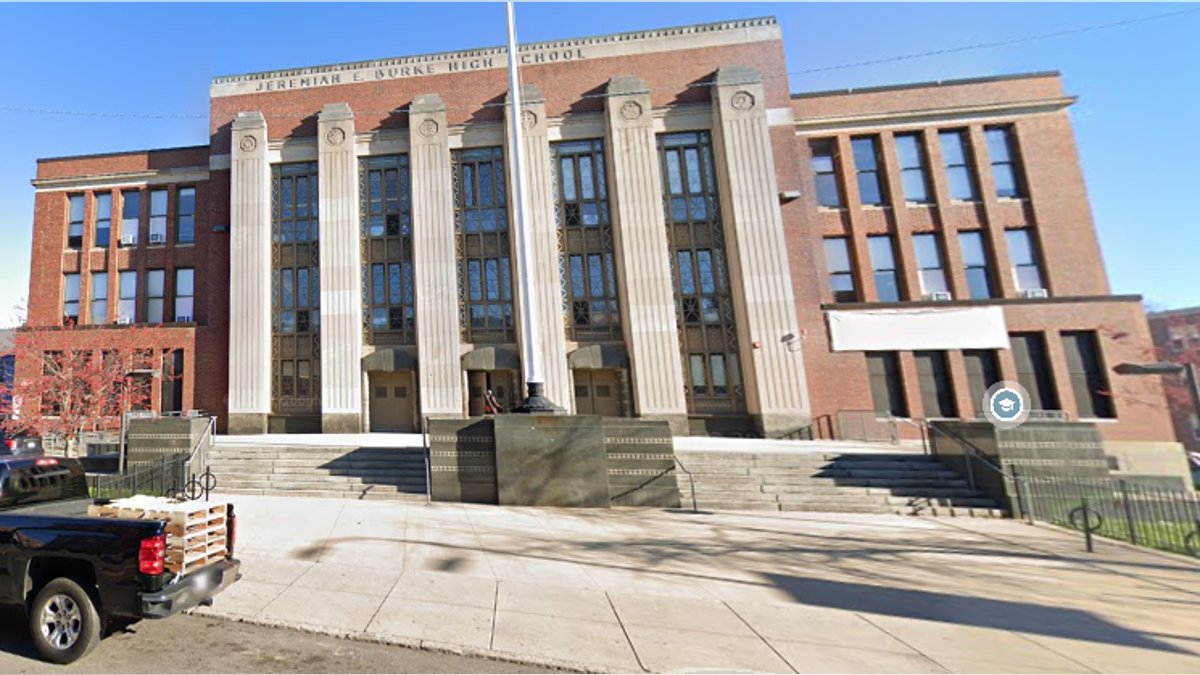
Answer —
1168 520
184 475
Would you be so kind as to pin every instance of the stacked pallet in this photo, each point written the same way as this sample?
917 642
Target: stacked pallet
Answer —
196 532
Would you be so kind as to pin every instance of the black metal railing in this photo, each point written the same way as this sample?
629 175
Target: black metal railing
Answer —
1167 520
184 475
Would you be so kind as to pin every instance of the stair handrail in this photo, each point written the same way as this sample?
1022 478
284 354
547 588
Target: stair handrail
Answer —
691 480
200 450
425 448
973 451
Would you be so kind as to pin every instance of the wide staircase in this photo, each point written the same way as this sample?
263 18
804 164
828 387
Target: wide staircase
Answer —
338 472
858 480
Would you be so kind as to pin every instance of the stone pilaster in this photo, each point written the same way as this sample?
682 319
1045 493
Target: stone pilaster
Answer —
540 226
249 276
772 366
341 272
435 261
647 293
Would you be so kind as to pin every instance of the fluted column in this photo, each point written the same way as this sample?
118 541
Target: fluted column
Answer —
540 224
435 261
341 272
773 365
249 276
643 255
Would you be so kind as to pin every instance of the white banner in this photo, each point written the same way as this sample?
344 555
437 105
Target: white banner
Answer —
879 330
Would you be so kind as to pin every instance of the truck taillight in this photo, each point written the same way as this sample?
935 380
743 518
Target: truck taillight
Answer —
153 554
46 461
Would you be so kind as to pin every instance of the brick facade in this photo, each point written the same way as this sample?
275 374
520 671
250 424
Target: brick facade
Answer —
1176 335
677 67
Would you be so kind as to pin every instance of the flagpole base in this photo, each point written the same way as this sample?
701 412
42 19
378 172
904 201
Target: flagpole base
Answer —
536 402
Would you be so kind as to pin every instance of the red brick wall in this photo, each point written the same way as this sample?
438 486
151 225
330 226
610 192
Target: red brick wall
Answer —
1055 206
1187 350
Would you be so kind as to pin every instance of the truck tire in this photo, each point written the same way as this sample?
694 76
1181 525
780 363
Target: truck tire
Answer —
63 621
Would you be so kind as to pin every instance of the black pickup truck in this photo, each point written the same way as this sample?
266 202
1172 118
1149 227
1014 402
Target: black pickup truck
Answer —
74 574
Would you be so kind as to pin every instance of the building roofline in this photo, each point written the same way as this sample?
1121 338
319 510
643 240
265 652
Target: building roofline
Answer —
717 26
120 153
1170 313
926 85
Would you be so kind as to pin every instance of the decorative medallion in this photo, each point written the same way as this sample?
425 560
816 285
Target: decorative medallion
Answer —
743 100
428 128
335 136
248 143
528 119
631 110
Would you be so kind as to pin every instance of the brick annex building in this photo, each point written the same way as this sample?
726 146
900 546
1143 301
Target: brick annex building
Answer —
708 247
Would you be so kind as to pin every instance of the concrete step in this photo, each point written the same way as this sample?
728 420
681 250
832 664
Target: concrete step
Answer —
304 482
249 465
713 505
330 494
952 512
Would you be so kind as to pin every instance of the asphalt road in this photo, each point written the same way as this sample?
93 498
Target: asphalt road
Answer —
188 644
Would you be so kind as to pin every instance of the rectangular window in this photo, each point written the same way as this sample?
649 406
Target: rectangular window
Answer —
481 220
883 263
841 273
185 292
1003 158
983 370
158 217
829 191
1033 370
956 156
975 260
937 391
131 214
929 260
185 216
154 295
1093 398
912 168
887 387
75 222
127 308
295 288
172 384
389 312
586 264
70 298
103 219
1027 273
866 167
99 297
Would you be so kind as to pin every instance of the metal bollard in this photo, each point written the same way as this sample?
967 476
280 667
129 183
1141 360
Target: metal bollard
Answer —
1081 518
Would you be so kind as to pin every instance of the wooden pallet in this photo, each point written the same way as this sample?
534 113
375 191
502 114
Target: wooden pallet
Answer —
196 531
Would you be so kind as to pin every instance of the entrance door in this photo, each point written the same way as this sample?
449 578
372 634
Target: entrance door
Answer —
392 402
596 393
478 384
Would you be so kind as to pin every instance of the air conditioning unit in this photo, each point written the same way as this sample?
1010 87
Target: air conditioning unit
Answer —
939 296
124 320
1033 293
183 319
158 239
129 240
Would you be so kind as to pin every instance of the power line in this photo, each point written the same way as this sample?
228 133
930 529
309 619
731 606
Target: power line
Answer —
668 88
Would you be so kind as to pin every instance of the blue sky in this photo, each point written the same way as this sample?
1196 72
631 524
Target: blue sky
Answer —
1134 123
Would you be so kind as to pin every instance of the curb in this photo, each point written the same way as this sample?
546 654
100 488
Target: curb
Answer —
413 643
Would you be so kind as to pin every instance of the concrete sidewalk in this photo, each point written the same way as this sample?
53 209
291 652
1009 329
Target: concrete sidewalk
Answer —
634 590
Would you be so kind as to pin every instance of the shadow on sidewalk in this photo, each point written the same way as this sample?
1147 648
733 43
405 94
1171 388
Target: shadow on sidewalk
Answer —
965 611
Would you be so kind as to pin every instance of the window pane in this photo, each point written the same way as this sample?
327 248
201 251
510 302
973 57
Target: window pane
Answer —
961 185
881 252
104 206
699 385
828 194
187 201
76 208
1028 277
928 254
154 310
972 249
100 285
1020 248
908 151
978 284
158 203
953 152
864 154
128 285
71 288
154 283
687 279
887 287
183 282
913 181
1006 180
869 190
837 256
997 143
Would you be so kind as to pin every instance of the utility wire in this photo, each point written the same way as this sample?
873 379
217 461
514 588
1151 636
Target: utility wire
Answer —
806 71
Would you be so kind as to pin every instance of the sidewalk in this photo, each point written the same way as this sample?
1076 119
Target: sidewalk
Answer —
634 590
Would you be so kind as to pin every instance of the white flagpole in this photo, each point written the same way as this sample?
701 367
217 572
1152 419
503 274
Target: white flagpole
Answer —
535 382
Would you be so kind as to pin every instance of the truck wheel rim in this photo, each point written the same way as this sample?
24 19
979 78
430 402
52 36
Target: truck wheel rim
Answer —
61 622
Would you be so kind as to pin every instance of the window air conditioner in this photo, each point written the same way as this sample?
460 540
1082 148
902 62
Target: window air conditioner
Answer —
124 320
183 319
128 239
939 296
157 239
1033 293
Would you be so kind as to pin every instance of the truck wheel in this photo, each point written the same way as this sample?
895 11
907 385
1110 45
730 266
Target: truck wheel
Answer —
63 621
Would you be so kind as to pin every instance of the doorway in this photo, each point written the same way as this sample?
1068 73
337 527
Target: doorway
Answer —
596 393
393 402
478 384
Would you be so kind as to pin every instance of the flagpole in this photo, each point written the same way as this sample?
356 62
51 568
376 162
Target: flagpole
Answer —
535 401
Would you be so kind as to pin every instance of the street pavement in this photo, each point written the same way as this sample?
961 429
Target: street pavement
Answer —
188 644
634 590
